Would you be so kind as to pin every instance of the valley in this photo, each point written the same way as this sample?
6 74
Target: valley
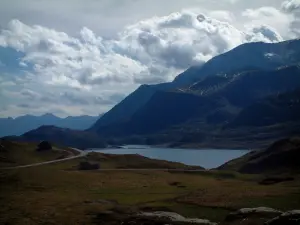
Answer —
65 193
246 98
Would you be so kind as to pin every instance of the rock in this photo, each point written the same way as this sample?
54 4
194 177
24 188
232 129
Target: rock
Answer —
174 217
275 180
88 166
252 212
101 201
44 146
287 218
2 148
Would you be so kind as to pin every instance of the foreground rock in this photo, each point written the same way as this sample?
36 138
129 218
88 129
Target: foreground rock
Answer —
127 216
174 217
44 146
288 218
263 212
2 148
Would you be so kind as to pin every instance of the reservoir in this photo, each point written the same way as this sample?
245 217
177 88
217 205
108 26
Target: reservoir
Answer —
207 158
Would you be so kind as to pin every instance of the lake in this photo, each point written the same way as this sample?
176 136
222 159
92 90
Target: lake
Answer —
210 158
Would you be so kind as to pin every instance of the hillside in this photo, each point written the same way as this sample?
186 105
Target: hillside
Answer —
280 157
197 109
64 137
64 193
280 108
16 153
247 57
22 124
125 109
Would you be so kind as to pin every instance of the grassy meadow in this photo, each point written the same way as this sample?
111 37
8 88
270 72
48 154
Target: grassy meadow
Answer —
61 194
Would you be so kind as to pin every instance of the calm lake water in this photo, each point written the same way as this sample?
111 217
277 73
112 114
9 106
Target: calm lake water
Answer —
208 159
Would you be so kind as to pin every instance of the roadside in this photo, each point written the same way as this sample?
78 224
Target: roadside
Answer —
81 154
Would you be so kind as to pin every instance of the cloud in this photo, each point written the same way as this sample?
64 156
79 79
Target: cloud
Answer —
222 15
88 73
292 7
172 43
269 16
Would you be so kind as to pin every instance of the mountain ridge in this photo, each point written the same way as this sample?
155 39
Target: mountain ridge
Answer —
19 125
263 57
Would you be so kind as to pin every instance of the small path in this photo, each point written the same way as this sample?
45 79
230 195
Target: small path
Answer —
84 153
81 154
158 169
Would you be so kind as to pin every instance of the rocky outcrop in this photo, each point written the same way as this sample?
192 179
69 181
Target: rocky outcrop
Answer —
250 212
44 146
287 218
174 217
2 148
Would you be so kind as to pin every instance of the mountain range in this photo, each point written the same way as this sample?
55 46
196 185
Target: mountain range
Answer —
22 124
247 57
248 96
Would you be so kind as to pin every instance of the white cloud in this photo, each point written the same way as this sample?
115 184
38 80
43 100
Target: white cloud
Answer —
166 45
271 17
222 15
89 66
292 7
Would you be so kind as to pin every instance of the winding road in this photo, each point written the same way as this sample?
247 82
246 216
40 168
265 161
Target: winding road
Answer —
81 154
84 153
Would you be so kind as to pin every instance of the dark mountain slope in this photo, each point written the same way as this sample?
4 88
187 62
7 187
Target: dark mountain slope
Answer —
247 57
125 109
273 110
258 56
64 137
167 109
282 156
253 86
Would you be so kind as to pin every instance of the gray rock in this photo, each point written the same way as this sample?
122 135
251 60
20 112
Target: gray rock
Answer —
174 217
248 212
287 218
44 146
2 148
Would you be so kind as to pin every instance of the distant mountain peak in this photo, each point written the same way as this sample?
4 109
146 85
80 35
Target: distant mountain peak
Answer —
22 124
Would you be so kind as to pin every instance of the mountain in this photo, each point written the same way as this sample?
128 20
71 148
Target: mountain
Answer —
280 157
22 124
199 108
280 108
126 108
247 57
64 137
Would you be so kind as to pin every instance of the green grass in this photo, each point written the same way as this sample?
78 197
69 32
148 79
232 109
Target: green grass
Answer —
18 153
60 194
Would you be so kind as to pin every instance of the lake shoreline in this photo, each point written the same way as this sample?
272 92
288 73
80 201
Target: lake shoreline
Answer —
207 158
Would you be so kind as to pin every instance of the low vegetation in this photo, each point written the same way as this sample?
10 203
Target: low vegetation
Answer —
15 153
61 194
280 157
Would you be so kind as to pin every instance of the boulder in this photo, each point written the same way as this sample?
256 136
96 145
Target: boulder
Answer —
264 212
44 146
287 218
2 148
174 217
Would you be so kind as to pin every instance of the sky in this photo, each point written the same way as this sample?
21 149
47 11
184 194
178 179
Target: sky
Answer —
81 57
